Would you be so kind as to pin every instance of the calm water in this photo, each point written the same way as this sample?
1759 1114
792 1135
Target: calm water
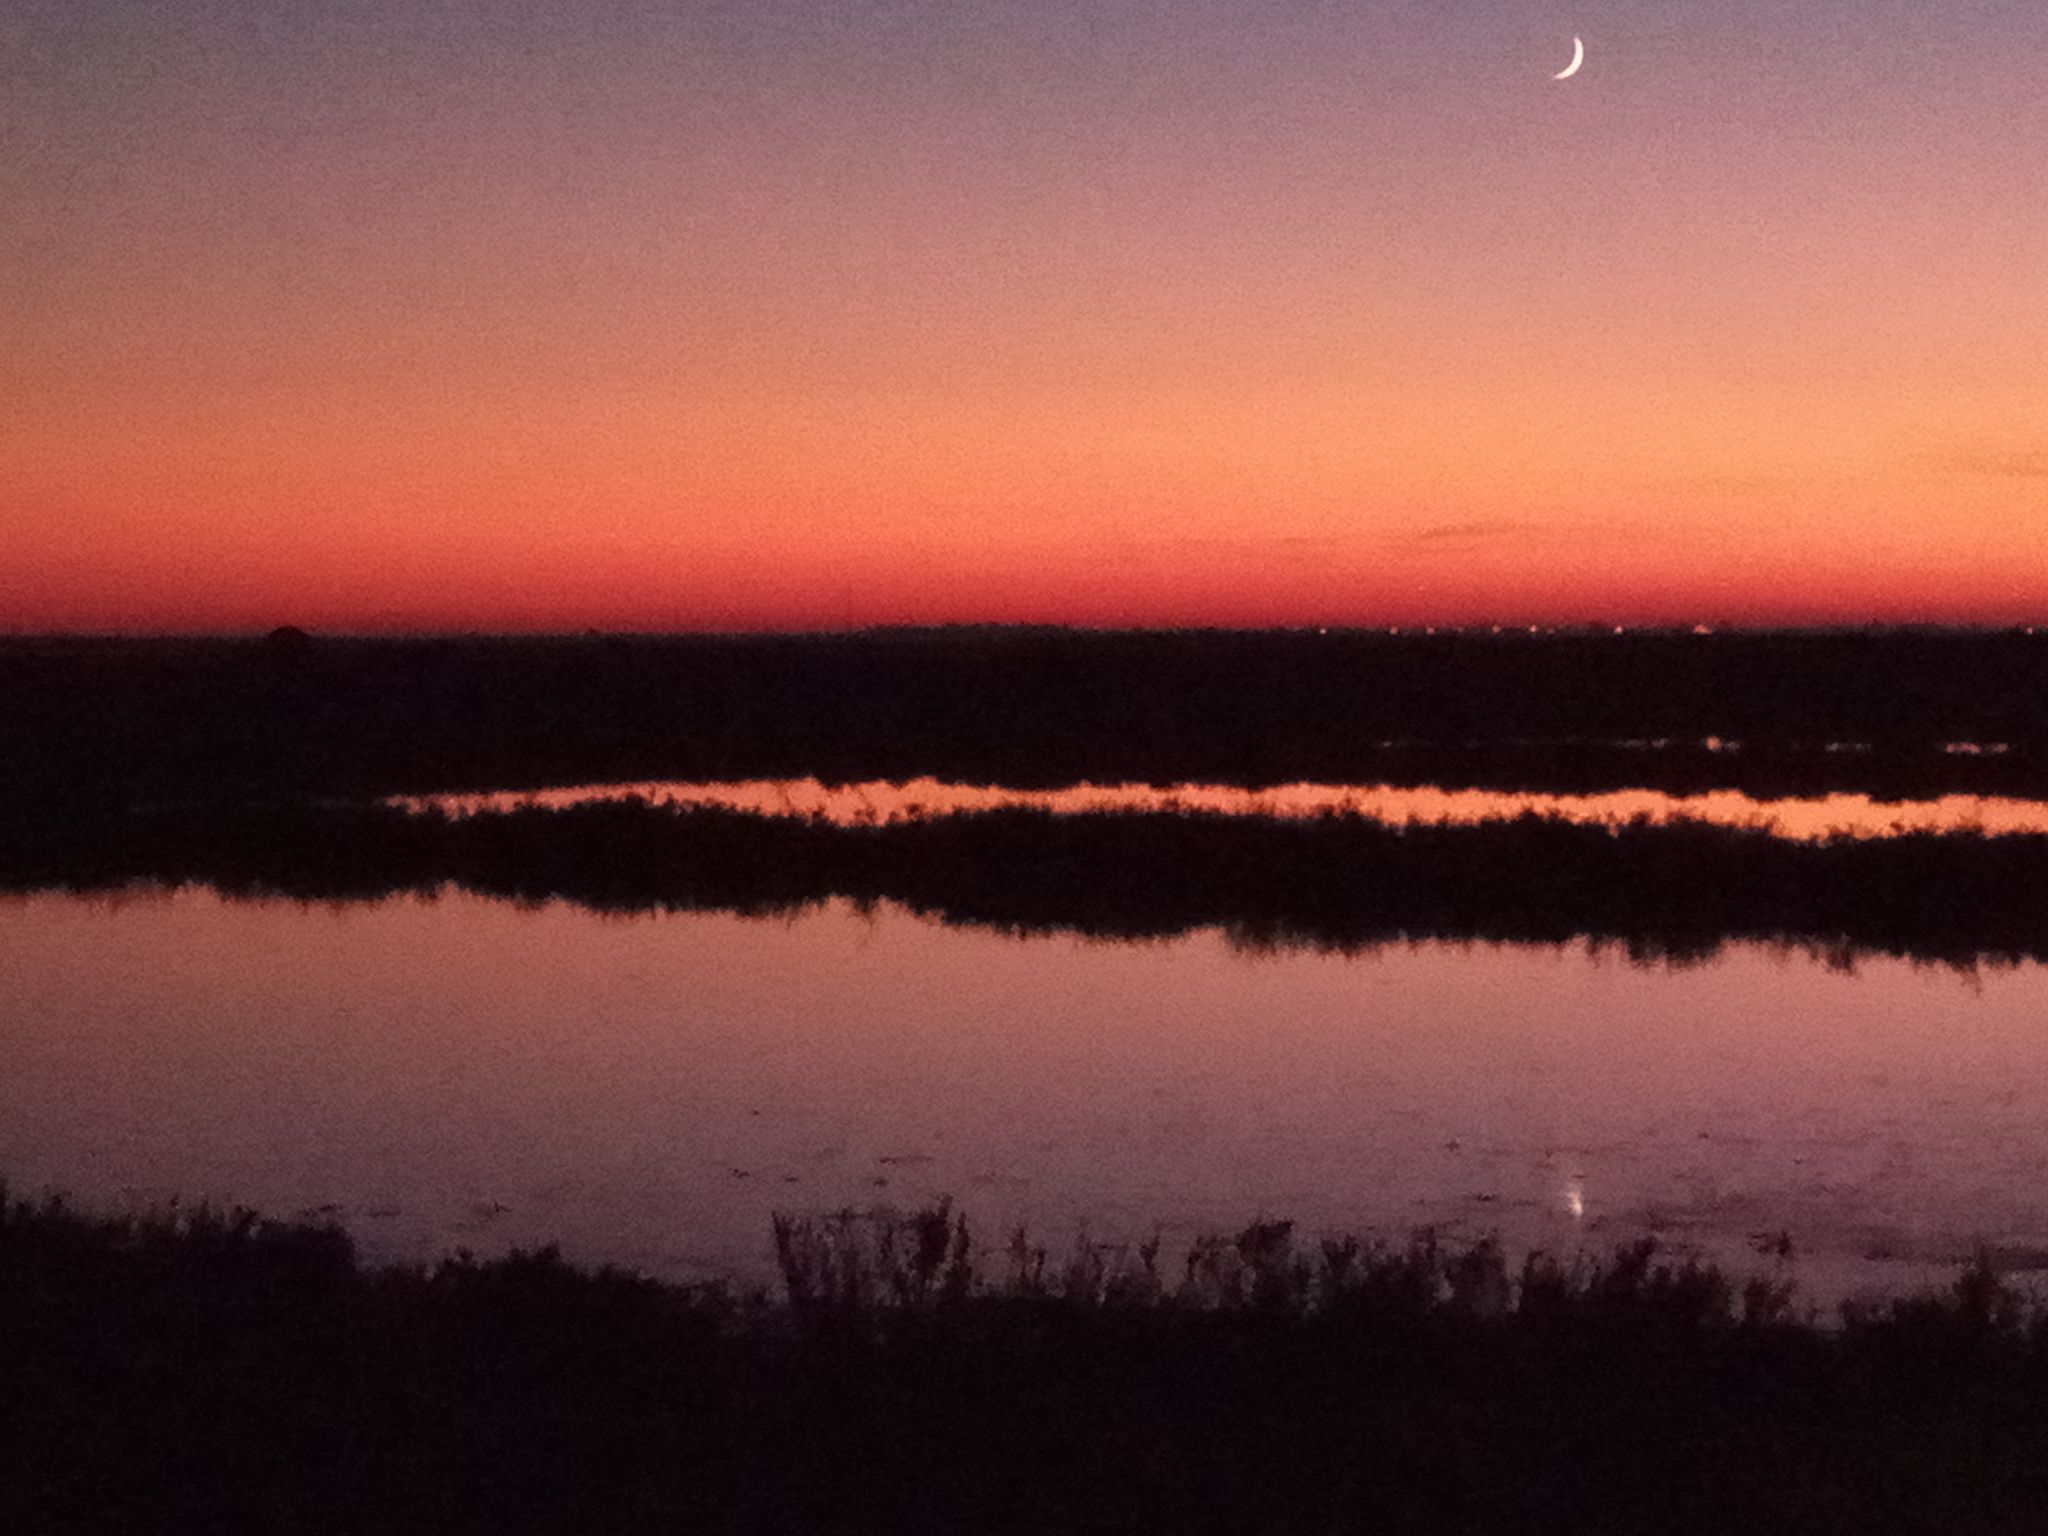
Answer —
850 804
648 1089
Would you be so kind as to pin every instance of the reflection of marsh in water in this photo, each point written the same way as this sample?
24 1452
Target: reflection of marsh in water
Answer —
854 804
648 1090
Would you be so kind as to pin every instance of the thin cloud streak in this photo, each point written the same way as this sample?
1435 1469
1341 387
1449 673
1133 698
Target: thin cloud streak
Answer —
1467 533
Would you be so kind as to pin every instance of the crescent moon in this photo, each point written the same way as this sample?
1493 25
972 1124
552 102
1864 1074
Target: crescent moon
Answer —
1578 58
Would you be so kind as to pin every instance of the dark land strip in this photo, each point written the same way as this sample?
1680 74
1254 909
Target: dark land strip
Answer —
112 722
217 1372
1673 891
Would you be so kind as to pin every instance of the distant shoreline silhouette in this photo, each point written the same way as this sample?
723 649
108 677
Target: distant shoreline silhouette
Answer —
97 723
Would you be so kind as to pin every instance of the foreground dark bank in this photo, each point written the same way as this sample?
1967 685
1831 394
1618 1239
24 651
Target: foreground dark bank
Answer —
111 721
225 1374
1673 891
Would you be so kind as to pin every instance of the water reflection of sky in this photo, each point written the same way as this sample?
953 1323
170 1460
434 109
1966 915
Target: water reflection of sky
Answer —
649 1089
850 804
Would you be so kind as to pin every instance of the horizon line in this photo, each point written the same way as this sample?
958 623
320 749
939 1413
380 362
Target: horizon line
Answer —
1504 630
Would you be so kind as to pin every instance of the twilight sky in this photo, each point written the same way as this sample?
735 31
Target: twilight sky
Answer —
756 313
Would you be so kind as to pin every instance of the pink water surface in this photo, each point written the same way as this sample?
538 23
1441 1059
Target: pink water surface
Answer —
648 1089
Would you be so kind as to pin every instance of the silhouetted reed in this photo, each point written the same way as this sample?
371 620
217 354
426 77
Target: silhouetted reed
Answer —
872 1262
1671 891
851 1262
213 1370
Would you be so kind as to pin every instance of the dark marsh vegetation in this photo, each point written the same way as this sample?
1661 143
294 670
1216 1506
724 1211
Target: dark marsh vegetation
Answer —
218 1372
213 1371
1675 890
93 723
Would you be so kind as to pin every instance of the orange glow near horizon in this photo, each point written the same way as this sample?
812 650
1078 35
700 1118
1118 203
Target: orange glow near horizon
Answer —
880 801
1022 319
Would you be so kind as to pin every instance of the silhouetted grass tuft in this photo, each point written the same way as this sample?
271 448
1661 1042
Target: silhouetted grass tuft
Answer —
855 1262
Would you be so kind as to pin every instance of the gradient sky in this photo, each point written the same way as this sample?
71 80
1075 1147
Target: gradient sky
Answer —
750 313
